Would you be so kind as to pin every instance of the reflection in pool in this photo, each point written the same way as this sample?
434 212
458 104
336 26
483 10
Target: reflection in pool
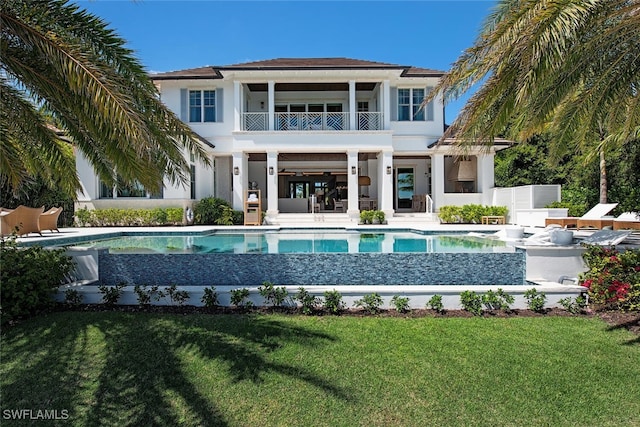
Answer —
302 242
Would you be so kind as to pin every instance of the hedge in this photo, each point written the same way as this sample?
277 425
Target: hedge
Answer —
129 217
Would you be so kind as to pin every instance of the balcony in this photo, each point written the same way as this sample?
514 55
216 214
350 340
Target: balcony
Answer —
365 121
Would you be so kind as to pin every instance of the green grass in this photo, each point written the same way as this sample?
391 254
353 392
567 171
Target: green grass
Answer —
124 369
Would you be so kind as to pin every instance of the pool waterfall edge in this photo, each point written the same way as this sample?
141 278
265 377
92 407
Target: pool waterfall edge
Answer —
417 276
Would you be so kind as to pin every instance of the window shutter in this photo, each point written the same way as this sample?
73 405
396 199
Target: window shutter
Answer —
219 105
394 104
428 113
184 105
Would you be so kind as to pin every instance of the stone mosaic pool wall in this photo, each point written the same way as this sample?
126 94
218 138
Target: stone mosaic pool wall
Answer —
314 269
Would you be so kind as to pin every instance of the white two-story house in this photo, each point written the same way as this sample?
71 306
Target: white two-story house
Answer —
330 135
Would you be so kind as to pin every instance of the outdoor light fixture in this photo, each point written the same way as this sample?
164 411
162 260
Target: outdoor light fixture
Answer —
236 170
353 170
270 170
262 105
388 170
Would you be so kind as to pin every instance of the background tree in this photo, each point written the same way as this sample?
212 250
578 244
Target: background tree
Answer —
568 67
61 65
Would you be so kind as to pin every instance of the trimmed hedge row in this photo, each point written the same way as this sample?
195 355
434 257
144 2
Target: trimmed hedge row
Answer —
469 214
129 217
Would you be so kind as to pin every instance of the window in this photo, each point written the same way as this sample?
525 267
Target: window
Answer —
202 106
135 189
409 102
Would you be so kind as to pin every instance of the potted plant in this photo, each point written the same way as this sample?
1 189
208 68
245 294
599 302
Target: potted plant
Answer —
366 217
378 217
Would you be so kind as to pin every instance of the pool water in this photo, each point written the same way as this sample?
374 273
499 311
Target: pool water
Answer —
302 242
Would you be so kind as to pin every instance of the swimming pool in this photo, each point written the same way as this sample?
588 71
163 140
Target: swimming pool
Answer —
287 242
304 258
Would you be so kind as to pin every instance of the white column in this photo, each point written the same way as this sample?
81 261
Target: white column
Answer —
352 183
353 107
240 180
271 94
272 183
437 179
385 184
485 175
386 104
237 104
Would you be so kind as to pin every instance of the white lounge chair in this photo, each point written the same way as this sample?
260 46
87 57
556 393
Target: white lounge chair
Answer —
627 221
593 218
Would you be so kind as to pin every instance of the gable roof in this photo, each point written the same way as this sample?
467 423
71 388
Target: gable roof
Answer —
215 72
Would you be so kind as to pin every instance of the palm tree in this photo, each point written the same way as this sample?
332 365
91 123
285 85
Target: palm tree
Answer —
62 66
570 67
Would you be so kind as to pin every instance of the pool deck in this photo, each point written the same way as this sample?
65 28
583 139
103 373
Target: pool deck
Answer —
419 294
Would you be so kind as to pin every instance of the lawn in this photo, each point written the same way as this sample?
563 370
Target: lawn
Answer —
110 368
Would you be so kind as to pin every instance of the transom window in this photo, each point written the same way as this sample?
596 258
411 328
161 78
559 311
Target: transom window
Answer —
202 106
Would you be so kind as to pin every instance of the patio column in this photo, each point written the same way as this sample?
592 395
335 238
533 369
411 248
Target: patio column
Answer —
485 176
272 183
385 183
271 95
237 104
352 184
240 173
386 105
437 180
353 107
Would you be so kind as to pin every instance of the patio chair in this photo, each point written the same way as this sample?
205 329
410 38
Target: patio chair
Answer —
338 205
593 218
627 221
49 219
22 220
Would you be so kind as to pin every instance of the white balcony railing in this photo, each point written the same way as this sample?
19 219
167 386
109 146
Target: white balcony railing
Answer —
310 121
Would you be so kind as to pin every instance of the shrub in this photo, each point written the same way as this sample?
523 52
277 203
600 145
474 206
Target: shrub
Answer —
401 304
435 303
111 294
210 297
379 215
145 295
176 296
213 210
370 302
128 217
308 301
239 297
273 295
473 213
574 306
72 297
469 213
471 302
29 277
366 217
535 300
450 214
613 278
498 300
333 301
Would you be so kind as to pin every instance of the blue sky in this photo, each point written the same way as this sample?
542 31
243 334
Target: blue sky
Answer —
175 35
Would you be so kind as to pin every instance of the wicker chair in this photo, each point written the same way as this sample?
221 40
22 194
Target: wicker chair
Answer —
49 219
22 220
